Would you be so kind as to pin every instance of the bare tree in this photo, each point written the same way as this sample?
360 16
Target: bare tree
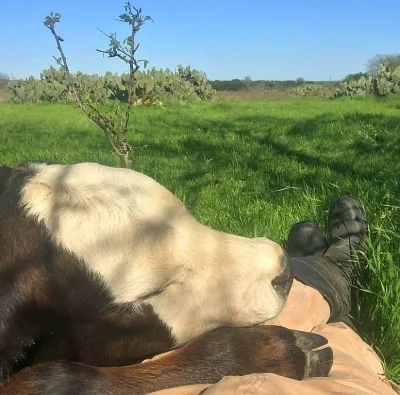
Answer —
373 64
4 79
114 124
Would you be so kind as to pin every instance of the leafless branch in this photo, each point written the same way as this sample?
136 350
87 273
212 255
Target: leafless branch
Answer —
115 135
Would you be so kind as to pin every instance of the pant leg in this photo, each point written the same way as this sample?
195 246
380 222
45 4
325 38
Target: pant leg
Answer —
356 370
304 310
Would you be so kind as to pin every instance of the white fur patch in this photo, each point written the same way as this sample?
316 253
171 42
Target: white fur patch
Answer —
141 239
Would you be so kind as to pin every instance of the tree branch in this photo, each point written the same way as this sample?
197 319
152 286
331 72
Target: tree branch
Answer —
84 96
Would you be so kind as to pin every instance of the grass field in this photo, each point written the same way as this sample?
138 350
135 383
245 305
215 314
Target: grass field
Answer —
254 168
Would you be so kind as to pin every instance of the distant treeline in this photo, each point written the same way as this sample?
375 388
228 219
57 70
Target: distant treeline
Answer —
246 84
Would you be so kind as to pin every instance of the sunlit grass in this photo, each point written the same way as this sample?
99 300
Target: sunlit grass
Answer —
255 168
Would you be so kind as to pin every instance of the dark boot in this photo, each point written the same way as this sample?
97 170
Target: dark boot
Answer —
330 273
306 238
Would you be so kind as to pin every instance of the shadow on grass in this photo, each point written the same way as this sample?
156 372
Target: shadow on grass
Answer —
242 141
364 134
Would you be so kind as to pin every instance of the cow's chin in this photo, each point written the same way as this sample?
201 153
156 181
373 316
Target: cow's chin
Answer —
188 315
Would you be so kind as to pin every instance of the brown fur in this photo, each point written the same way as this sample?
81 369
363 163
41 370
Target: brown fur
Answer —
222 352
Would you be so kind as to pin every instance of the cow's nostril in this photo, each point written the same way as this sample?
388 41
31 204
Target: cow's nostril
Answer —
283 282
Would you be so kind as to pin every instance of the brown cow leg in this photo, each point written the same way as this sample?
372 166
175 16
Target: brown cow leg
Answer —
207 359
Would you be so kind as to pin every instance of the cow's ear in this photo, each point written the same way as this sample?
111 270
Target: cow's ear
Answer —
5 174
22 167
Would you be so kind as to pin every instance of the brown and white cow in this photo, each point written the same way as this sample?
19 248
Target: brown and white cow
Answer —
102 267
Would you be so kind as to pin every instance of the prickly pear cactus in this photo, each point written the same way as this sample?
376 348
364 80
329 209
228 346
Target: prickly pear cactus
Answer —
149 87
311 90
386 83
396 75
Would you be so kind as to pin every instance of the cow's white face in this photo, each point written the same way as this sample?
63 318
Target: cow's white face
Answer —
233 284
149 249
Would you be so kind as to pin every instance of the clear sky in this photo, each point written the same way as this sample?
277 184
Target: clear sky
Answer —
263 39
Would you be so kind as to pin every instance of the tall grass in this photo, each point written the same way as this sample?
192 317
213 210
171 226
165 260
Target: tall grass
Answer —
255 168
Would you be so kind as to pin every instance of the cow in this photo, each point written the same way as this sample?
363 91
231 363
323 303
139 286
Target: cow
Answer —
103 267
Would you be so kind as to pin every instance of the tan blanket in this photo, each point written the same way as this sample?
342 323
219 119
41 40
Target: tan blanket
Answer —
356 369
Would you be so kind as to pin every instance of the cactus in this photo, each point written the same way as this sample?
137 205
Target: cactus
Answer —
311 90
396 75
150 86
386 83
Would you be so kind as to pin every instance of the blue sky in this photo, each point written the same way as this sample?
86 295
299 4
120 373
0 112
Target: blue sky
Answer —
263 39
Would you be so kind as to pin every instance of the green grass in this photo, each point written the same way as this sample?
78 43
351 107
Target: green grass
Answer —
254 169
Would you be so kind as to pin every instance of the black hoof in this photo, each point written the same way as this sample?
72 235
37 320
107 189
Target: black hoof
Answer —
319 362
